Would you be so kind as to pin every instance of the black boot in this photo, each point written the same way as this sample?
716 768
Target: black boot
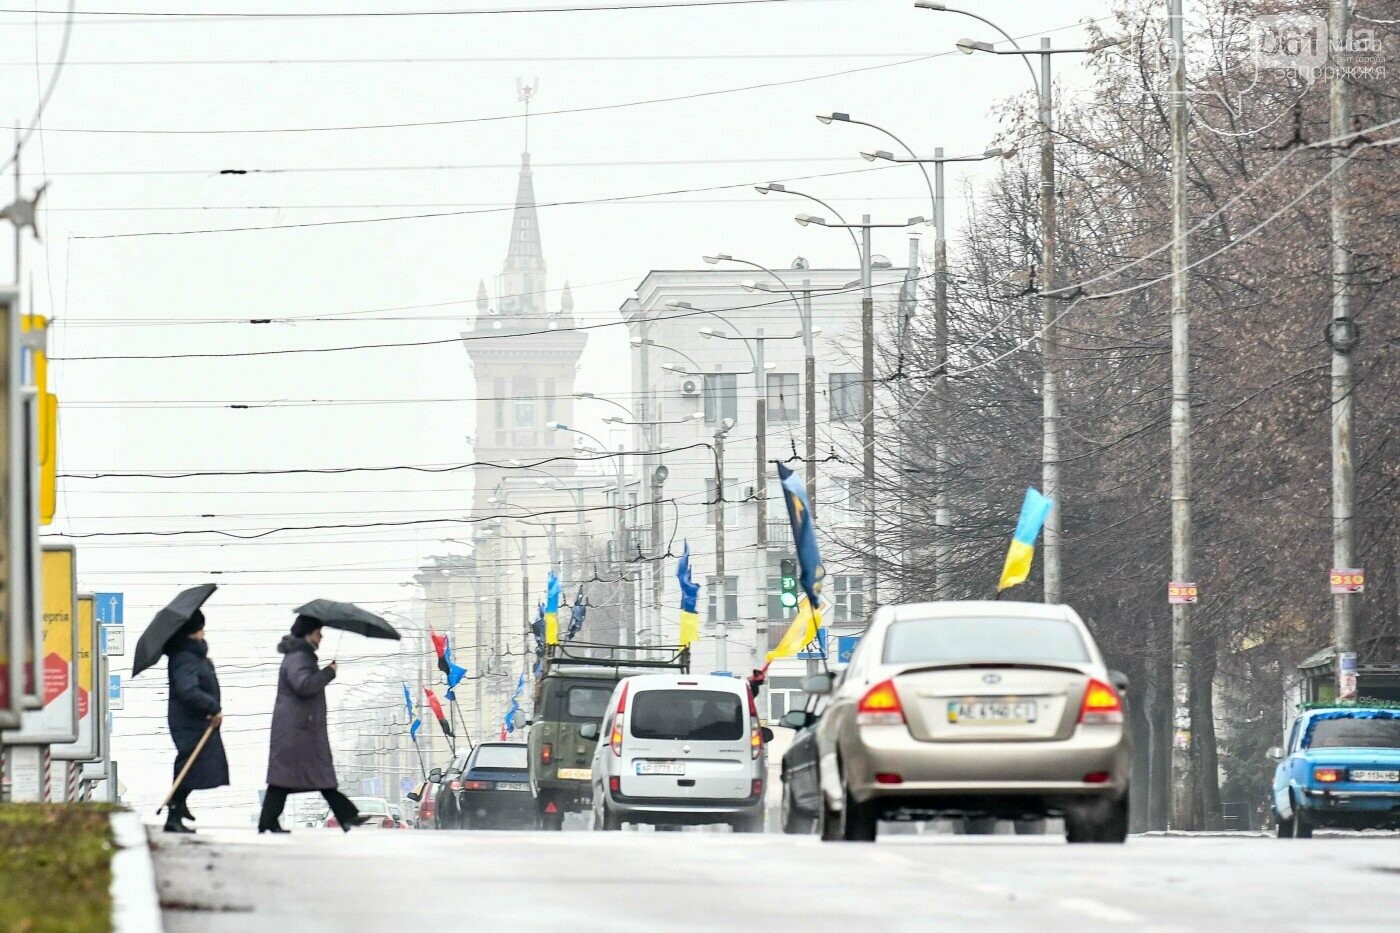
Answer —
173 824
271 828
357 820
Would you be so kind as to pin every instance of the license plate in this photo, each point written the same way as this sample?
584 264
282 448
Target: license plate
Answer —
1376 777
575 774
510 785
661 767
984 712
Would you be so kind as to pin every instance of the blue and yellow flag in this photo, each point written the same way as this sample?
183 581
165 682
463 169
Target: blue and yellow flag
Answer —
551 610
1018 558
801 633
690 592
417 721
810 571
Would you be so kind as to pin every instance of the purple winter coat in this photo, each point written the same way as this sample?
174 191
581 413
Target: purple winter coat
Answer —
299 751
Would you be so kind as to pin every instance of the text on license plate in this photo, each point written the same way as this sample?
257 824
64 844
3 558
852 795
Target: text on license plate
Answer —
510 785
575 774
1375 776
661 767
991 711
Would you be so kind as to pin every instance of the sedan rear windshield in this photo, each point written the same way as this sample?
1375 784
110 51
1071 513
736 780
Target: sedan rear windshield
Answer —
370 805
500 756
1355 733
996 639
688 715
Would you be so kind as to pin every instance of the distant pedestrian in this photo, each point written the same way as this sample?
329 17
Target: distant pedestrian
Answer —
299 752
194 705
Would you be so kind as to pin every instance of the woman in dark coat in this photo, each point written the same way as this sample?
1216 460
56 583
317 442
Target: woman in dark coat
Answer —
193 706
299 752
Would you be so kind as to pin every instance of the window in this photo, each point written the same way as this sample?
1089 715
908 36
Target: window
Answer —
491 757
846 504
777 705
984 638
731 599
687 716
1352 732
848 596
524 403
782 396
730 504
586 703
774 607
500 402
721 396
844 396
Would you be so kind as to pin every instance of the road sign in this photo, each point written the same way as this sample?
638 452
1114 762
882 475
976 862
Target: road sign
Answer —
821 649
845 645
373 787
109 608
406 786
115 699
1348 580
114 640
1182 593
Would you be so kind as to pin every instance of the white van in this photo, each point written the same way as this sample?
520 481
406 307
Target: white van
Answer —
678 750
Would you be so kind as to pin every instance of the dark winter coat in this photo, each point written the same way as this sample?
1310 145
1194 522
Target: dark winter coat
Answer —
194 697
299 752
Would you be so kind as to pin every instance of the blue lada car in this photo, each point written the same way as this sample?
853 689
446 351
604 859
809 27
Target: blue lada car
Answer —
1341 768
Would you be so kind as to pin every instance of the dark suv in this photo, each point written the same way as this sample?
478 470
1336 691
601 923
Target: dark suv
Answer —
569 705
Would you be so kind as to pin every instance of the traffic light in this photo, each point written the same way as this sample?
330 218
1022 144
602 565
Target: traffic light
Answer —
788 583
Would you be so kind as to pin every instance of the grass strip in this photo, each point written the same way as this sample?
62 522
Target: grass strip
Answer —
55 868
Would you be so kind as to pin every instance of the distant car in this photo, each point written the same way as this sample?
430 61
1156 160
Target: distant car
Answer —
409 808
446 814
493 790
801 797
1341 768
376 808
982 710
427 805
680 750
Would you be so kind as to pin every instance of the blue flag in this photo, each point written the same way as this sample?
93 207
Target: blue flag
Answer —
577 612
810 571
537 629
455 672
417 723
514 704
690 592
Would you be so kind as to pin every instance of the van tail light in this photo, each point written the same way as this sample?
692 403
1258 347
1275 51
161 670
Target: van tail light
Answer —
615 784
880 706
615 740
755 739
546 753
387 822
1102 705
756 790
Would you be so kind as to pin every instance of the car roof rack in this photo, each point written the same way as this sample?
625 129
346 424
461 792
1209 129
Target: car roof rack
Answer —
618 658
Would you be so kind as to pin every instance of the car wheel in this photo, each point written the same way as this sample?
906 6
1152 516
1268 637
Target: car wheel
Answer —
1099 821
860 821
794 822
1283 827
1032 827
1302 823
606 821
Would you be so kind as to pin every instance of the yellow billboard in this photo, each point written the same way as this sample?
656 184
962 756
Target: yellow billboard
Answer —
57 721
88 747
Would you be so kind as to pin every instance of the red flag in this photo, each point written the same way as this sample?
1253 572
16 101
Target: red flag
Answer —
503 733
440 645
437 711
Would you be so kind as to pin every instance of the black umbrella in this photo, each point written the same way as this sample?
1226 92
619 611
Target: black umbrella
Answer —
166 624
348 618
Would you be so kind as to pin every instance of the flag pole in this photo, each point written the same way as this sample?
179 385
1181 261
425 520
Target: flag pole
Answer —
462 723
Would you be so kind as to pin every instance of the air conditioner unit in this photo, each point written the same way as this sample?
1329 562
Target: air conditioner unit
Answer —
690 388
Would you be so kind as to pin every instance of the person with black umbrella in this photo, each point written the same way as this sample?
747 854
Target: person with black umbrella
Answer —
194 713
299 751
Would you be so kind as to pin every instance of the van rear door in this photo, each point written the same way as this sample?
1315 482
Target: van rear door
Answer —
687 742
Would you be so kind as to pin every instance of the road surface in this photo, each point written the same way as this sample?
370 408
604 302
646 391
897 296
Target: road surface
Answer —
315 880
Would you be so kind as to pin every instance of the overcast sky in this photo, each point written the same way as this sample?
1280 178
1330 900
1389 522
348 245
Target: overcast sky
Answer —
126 269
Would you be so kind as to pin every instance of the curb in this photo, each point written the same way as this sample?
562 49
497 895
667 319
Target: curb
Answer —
135 906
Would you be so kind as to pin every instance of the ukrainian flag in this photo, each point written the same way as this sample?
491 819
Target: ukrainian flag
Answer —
690 591
1018 558
551 610
801 633
810 571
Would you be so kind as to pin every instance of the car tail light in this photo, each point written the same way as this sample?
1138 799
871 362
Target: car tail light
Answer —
456 785
615 784
1096 777
1101 705
479 785
888 777
615 740
880 706
757 789
546 753
1329 775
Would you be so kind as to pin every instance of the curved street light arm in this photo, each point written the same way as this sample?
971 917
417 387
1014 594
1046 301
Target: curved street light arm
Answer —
932 200
802 194
1005 35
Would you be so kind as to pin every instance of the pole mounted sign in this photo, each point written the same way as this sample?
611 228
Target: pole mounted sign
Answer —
56 723
1348 580
89 744
1181 593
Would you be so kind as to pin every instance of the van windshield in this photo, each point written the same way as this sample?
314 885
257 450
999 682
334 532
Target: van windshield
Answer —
997 639
688 715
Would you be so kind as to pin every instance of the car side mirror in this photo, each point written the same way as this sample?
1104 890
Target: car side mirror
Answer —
796 719
1276 753
1119 681
589 731
435 775
766 733
818 684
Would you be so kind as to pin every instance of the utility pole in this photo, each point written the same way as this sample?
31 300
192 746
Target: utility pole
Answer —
867 414
809 377
1050 387
760 446
1183 778
721 595
1341 334
658 477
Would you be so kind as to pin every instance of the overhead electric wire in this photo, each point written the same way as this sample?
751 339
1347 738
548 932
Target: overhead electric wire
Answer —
204 16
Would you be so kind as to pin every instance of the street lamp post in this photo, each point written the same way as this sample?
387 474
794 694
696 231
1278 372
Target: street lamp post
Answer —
1050 394
721 596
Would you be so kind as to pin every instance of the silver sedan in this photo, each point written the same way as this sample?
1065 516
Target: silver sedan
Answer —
973 709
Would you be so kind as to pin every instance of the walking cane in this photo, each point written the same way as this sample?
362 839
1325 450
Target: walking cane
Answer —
186 769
